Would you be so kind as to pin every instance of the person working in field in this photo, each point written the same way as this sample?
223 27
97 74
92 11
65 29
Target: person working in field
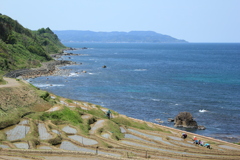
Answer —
109 114
184 135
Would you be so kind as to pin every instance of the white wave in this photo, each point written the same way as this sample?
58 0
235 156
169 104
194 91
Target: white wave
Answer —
140 70
73 75
157 100
48 85
93 73
203 110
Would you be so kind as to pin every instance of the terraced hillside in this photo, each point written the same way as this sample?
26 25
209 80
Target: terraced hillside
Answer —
80 130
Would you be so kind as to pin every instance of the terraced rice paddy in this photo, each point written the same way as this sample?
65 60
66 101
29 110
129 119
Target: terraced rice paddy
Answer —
43 147
16 132
106 135
43 134
123 130
22 145
69 130
66 145
229 147
83 140
55 131
4 146
100 143
156 138
130 136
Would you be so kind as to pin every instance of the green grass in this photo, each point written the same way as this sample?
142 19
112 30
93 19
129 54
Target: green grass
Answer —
69 101
238 143
65 114
134 124
3 136
114 129
1 78
96 112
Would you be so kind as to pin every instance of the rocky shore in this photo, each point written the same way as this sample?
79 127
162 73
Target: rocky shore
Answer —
47 68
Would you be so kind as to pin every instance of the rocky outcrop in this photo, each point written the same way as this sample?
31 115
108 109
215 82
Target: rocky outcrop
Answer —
185 119
47 68
170 120
201 127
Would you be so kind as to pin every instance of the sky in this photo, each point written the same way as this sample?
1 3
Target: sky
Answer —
192 20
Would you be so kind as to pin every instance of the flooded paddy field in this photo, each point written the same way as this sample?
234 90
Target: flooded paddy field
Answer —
83 140
16 132
43 133
66 145
69 130
21 145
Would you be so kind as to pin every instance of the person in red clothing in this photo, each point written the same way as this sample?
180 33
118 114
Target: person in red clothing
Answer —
194 138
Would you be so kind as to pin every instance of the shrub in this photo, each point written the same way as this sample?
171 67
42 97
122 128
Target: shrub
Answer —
44 95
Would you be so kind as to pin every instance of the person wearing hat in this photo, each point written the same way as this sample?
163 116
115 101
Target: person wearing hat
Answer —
194 138
109 114
184 135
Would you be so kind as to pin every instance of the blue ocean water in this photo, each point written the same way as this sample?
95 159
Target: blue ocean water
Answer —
150 80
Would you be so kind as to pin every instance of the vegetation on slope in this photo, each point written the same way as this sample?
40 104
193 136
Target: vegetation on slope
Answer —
22 48
16 102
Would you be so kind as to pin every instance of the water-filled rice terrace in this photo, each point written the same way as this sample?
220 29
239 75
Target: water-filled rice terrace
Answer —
105 139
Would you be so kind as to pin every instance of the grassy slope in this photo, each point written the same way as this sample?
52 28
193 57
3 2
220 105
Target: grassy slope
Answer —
18 101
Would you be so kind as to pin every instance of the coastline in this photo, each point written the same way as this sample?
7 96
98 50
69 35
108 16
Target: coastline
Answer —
67 73
47 68
167 148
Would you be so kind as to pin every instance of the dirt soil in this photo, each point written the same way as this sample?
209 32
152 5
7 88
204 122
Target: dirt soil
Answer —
10 83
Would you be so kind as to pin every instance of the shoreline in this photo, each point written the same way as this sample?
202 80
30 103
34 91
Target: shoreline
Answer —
47 68
63 72
52 67
166 134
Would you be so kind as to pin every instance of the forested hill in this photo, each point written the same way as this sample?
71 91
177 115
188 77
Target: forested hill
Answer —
24 48
117 37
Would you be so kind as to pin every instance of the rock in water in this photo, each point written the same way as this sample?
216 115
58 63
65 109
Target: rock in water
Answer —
185 119
201 127
170 120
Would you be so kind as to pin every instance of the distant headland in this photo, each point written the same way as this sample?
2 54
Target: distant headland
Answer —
115 37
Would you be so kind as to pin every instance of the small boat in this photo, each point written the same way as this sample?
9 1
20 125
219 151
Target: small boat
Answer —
202 110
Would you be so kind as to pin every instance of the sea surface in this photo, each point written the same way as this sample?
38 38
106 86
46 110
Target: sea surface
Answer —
150 81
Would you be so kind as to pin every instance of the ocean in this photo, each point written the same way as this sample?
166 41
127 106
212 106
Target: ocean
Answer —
149 81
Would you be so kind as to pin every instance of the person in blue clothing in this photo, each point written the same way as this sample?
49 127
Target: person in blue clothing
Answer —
196 142
109 114
207 145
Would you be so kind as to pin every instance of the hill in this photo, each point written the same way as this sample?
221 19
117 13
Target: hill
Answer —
23 48
115 37
46 126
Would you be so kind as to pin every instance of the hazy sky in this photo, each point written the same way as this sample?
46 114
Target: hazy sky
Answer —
191 20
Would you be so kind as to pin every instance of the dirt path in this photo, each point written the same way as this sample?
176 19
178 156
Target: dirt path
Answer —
10 83
96 126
